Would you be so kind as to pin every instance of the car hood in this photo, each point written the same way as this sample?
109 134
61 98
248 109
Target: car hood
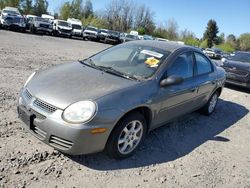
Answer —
64 27
90 31
65 84
237 64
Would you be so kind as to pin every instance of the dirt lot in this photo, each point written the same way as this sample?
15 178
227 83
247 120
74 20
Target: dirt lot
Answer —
194 151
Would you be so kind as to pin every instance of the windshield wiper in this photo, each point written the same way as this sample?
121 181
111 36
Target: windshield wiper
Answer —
89 62
116 72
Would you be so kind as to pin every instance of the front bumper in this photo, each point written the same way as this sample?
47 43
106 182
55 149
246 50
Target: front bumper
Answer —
12 25
51 129
238 83
42 29
89 36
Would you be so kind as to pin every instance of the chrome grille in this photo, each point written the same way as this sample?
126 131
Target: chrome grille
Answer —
39 133
44 106
60 143
27 95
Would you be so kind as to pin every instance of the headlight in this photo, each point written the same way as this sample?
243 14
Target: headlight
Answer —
80 112
30 77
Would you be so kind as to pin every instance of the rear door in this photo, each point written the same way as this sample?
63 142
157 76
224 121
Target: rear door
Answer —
204 78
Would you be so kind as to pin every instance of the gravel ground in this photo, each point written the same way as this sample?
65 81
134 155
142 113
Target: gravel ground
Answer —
193 151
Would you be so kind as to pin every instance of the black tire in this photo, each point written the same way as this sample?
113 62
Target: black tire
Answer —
112 144
206 109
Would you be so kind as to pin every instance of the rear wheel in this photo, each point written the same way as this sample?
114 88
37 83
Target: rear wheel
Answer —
127 136
211 104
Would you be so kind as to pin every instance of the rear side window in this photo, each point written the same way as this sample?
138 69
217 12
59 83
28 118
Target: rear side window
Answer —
203 64
183 66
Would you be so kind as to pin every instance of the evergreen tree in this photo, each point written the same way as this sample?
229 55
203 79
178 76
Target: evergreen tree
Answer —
211 33
40 7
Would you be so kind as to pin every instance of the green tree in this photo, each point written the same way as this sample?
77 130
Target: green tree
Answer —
244 42
10 3
65 11
204 44
76 9
26 7
231 39
141 31
192 41
40 7
226 47
211 33
88 9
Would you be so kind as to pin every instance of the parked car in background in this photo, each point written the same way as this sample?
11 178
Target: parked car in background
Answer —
102 33
76 27
147 37
28 19
40 25
161 39
213 53
62 28
136 87
90 33
237 68
130 37
11 18
112 37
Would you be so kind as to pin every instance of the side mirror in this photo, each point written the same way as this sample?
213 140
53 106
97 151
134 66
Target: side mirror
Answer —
223 60
171 80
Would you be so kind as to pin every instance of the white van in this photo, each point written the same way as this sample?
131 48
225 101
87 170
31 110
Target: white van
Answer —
62 28
76 27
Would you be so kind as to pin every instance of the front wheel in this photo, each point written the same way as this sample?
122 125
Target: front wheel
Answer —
127 136
211 104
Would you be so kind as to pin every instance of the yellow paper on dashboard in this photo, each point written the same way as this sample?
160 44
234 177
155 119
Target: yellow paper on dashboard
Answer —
152 62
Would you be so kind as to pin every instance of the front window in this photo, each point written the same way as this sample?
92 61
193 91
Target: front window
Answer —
75 26
242 57
137 61
183 66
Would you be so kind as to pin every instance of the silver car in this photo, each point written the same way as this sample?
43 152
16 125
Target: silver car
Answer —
114 98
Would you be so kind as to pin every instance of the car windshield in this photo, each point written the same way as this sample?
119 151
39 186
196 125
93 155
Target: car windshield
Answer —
242 57
41 19
61 23
113 33
91 29
76 26
102 31
10 12
132 61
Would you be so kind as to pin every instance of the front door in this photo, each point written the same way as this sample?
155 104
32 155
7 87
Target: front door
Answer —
178 99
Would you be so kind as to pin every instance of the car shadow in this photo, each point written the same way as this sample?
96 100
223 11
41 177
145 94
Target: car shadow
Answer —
237 88
171 142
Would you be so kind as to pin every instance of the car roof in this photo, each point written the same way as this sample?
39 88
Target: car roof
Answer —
164 45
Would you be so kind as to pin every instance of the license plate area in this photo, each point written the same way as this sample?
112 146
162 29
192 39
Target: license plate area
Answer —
26 116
